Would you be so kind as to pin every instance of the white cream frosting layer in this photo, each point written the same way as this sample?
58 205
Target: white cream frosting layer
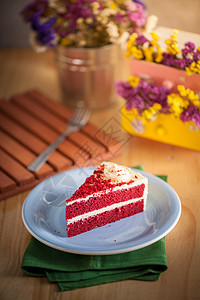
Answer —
113 206
105 209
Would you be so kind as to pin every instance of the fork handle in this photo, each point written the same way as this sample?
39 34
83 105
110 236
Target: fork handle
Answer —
43 157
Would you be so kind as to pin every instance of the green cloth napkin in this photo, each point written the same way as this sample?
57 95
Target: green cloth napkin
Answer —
72 271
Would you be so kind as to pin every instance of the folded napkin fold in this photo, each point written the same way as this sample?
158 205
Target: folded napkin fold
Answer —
71 271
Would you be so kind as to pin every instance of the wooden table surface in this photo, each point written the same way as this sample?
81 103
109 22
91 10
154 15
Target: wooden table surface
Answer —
21 70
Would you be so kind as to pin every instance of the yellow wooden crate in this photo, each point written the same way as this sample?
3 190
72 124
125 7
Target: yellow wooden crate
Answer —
166 129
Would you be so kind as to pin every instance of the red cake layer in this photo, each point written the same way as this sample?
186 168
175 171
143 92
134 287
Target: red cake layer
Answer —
93 203
104 218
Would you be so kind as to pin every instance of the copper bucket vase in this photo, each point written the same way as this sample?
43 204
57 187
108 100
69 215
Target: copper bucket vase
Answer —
88 74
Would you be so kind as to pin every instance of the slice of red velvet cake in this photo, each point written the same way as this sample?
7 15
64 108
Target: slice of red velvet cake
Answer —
111 193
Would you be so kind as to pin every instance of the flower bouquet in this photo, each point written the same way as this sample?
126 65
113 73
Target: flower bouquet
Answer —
145 100
87 36
82 23
142 48
162 99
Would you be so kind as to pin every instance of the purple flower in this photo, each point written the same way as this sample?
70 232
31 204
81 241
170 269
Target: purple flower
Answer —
188 56
189 53
140 3
181 63
125 90
171 61
141 39
154 94
76 10
191 114
120 18
136 101
138 16
36 6
143 96
167 59
45 32
190 46
196 56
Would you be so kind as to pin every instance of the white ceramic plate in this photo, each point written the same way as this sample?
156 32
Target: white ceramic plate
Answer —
43 214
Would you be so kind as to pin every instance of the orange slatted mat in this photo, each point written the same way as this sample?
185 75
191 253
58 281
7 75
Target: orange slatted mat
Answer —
29 122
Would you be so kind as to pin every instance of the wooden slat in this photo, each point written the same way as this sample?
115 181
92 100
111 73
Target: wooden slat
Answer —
32 124
75 152
27 121
15 170
110 142
22 135
87 143
39 112
69 148
6 183
60 110
21 154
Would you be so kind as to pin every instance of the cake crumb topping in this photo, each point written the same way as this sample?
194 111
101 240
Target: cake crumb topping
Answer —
117 173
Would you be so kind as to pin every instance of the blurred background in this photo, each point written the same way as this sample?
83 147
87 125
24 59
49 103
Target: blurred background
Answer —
179 14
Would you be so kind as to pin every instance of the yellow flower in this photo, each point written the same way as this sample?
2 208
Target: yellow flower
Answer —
150 113
192 66
172 44
175 35
130 45
64 41
147 115
134 81
195 67
148 53
182 90
158 57
177 104
113 5
189 96
133 37
137 53
135 114
188 71
59 21
116 4
157 107
155 36
168 42
196 103
173 48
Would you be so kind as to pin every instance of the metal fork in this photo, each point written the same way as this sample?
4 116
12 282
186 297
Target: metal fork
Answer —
77 121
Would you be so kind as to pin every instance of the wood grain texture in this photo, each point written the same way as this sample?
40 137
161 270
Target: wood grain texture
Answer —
22 70
28 125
